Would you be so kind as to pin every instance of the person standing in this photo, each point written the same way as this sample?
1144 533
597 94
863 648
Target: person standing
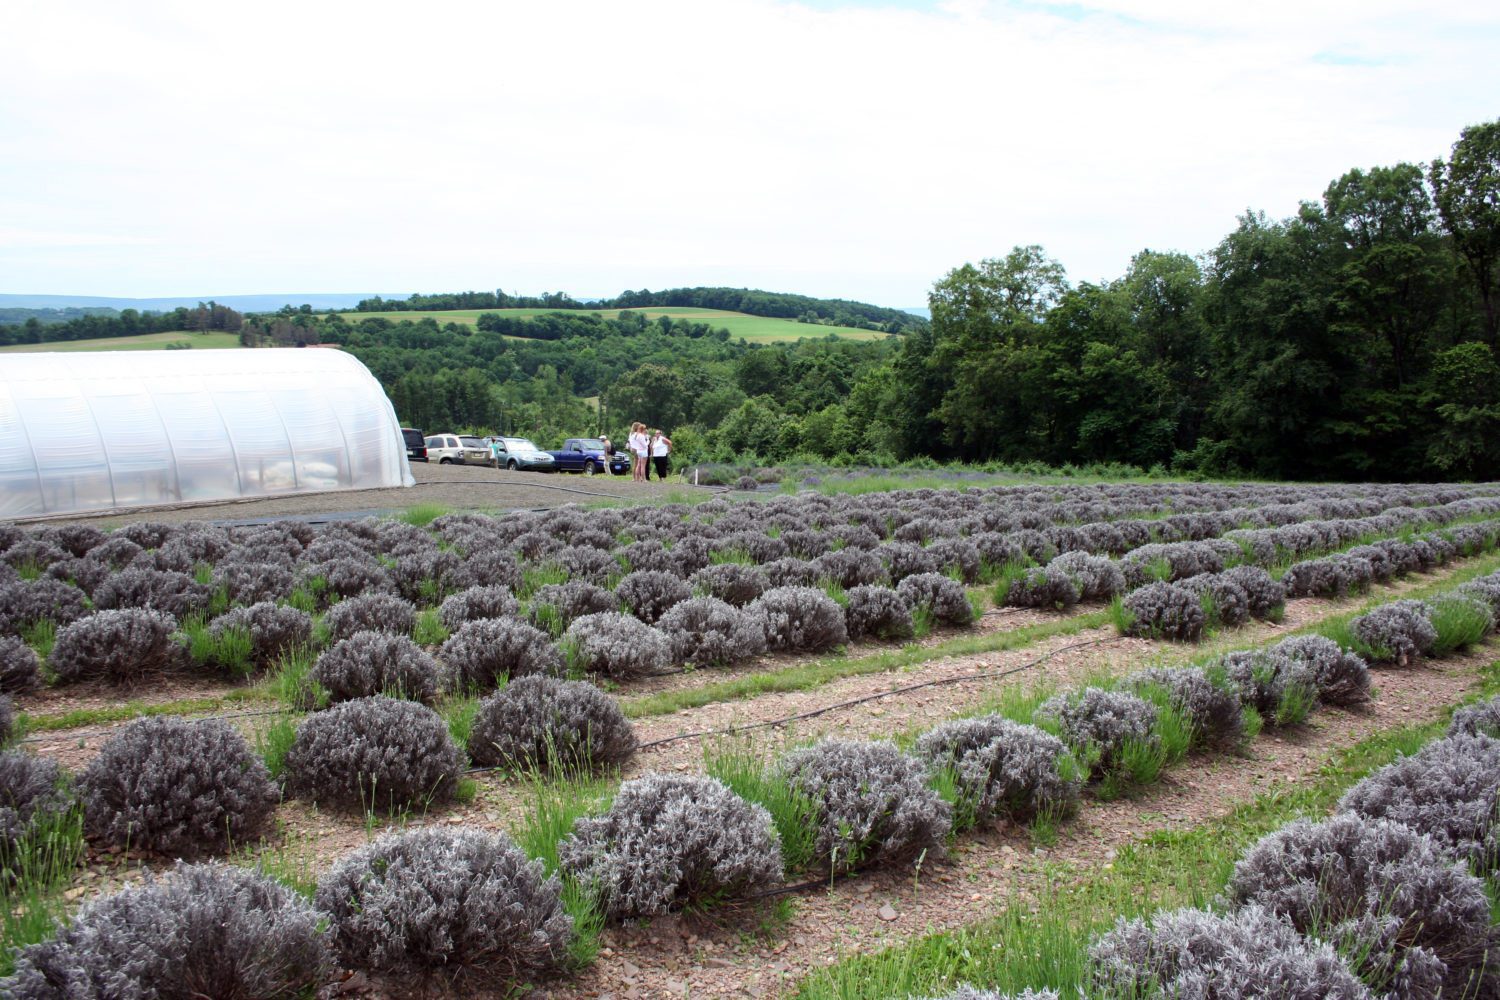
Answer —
639 449
661 447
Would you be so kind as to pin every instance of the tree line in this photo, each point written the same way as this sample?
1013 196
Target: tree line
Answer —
1353 340
104 324
753 302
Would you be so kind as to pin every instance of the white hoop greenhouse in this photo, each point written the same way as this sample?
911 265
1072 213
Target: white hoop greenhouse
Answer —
88 431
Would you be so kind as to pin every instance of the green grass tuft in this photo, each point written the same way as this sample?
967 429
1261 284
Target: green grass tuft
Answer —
793 813
422 514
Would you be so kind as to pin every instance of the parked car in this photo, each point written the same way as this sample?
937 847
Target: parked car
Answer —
450 449
586 455
519 453
416 444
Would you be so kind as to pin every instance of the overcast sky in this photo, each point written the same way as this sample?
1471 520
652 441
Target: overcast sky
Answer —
851 149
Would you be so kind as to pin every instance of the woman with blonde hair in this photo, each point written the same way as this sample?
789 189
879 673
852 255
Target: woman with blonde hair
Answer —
640 449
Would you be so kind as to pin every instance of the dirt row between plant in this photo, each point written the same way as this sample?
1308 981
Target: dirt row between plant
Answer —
310 839
989 869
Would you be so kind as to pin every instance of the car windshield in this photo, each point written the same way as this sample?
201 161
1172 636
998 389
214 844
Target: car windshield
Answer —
519 444
591 444
472 442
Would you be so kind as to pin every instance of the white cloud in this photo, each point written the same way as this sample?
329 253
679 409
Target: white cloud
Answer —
593 146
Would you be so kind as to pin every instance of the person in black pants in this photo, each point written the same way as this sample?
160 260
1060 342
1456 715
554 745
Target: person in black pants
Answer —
661 447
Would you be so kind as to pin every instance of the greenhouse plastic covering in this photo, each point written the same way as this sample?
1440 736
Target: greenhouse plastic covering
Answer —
85 431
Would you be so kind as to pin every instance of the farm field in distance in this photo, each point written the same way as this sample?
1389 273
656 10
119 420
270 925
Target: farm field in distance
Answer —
764 329
330 684
212 340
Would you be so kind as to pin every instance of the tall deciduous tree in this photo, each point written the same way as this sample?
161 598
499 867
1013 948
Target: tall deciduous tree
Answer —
1467 186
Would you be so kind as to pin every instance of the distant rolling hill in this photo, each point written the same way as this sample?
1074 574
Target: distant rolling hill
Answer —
762 329
242 303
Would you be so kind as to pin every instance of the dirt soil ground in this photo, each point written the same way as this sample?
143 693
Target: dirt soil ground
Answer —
457 487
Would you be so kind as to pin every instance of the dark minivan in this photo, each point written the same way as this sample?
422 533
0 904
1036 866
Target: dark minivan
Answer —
416 444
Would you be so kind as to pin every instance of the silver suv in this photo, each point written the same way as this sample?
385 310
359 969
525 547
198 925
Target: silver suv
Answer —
450 449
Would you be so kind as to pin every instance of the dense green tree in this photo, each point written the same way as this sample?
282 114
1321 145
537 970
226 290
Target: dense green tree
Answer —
1467 188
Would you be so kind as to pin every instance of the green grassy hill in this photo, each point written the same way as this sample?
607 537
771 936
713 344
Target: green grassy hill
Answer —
213 340
761 329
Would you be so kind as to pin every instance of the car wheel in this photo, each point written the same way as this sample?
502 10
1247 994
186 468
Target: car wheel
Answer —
511 465
445 461
589 468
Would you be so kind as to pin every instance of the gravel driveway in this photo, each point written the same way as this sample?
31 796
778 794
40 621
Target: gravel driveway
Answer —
457 487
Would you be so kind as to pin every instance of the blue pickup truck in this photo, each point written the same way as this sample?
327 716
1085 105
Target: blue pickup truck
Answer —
586 455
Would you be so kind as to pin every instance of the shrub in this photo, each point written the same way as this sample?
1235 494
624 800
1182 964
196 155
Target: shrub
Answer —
850 567
1214 712
943 597
1097 578
790 572
116 551
971 993
1003 767
426 577
176 594
370 613
877 611
616 645
874 806
34 795
538 722
903 559
1224 602
1450 790
1337 575
1103 722
706 632
568 602
272 629
481 601
1165 611
648 594
1265 595
732 583
253 582
958 555
460 899
1399 631
1043 587
1412 921
373 753
799 618
1283 690
24 602
748 484
485 650
348 576
1485 588
1248 955
369 663
1341 678
1480 719
672 840
177 787
200 931
20 670
123 646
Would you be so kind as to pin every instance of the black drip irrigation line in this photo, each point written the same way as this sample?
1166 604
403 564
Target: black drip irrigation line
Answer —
961 679
736 730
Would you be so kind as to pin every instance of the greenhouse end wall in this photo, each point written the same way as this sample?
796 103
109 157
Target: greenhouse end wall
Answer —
91 431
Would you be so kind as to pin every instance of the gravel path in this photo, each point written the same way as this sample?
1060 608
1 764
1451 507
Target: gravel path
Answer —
457 487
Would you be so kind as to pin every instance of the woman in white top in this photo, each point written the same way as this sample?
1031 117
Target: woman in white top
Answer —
639 449
661 447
